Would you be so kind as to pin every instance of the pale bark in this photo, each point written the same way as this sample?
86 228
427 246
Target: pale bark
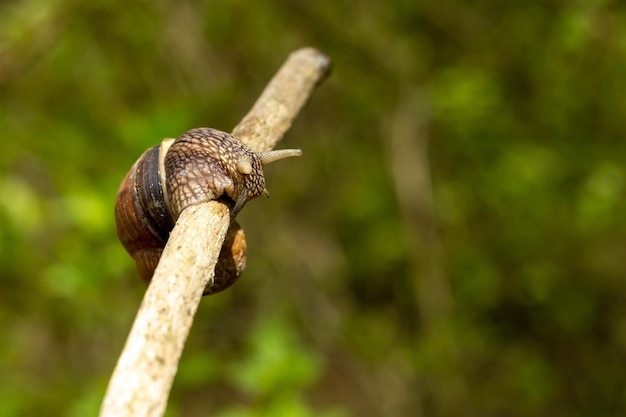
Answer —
142 379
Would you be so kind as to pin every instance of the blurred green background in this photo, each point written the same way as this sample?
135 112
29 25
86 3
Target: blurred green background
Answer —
450 244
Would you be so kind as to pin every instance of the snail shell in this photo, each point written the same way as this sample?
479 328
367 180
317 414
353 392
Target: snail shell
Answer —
201 165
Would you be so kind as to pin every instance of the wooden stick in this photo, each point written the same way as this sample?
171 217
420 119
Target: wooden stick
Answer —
272 114
142 379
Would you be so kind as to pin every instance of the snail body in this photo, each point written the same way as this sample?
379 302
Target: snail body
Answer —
203 164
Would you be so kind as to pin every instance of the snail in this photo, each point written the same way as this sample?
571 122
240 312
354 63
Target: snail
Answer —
201 165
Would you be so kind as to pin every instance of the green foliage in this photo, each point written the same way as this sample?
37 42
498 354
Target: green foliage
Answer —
276 363
451 243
